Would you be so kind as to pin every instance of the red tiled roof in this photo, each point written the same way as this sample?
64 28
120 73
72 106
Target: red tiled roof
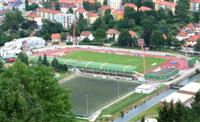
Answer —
55 36
12 1
195 1
86 33
190 26
144 8
68 5
81 10
112 31
194 38
46 10
166 3
132 33
71 1
32 15
131 5
119 12
92 14
104 7
183 34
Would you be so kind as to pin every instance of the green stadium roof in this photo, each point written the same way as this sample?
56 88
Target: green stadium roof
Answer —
100 66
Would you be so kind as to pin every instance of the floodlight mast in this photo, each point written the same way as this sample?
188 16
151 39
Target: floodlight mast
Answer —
141 44
144 60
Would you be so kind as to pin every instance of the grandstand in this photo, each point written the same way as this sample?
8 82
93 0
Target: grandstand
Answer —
100 68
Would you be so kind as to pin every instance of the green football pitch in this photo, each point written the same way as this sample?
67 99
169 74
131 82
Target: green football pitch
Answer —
98 92
116 59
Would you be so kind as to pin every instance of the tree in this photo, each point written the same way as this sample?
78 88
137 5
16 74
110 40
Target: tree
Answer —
70 11
125 39
1 66
45 61
12 20
196 17
148 3
91 6
157 40
26 5
108 18
40 60
142 119
31 93
49 27
182 10
57 6
197 46
100 34
196 103
33 6
23 58
99 23
55 63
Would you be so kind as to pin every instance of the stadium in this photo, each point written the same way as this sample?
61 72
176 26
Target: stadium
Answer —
104 75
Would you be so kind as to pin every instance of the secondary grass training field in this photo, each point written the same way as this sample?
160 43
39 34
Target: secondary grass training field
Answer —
100 93
116 59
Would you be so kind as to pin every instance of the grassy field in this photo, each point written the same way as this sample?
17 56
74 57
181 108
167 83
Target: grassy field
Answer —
115 59
152 112
100 92
117 107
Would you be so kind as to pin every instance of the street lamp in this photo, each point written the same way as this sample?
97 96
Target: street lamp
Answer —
118 88
87 105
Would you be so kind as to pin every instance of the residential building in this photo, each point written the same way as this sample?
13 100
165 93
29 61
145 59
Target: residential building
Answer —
48 14
65 19
194 5
131 5
32 16
133 34
92 17
64 7
144 8
55 37
79 3
112 34
118 14
182 36
86 34
81 11
193 40
103 9
165 5
114 4
13 3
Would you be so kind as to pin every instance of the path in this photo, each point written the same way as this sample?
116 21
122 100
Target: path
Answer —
73 75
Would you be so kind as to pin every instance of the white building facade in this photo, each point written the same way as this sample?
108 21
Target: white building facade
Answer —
65 19
115 4
194 5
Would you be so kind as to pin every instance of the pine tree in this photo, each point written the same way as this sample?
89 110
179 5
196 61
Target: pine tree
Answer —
45 61
26 5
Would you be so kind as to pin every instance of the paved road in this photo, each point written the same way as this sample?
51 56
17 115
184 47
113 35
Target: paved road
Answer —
136 111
